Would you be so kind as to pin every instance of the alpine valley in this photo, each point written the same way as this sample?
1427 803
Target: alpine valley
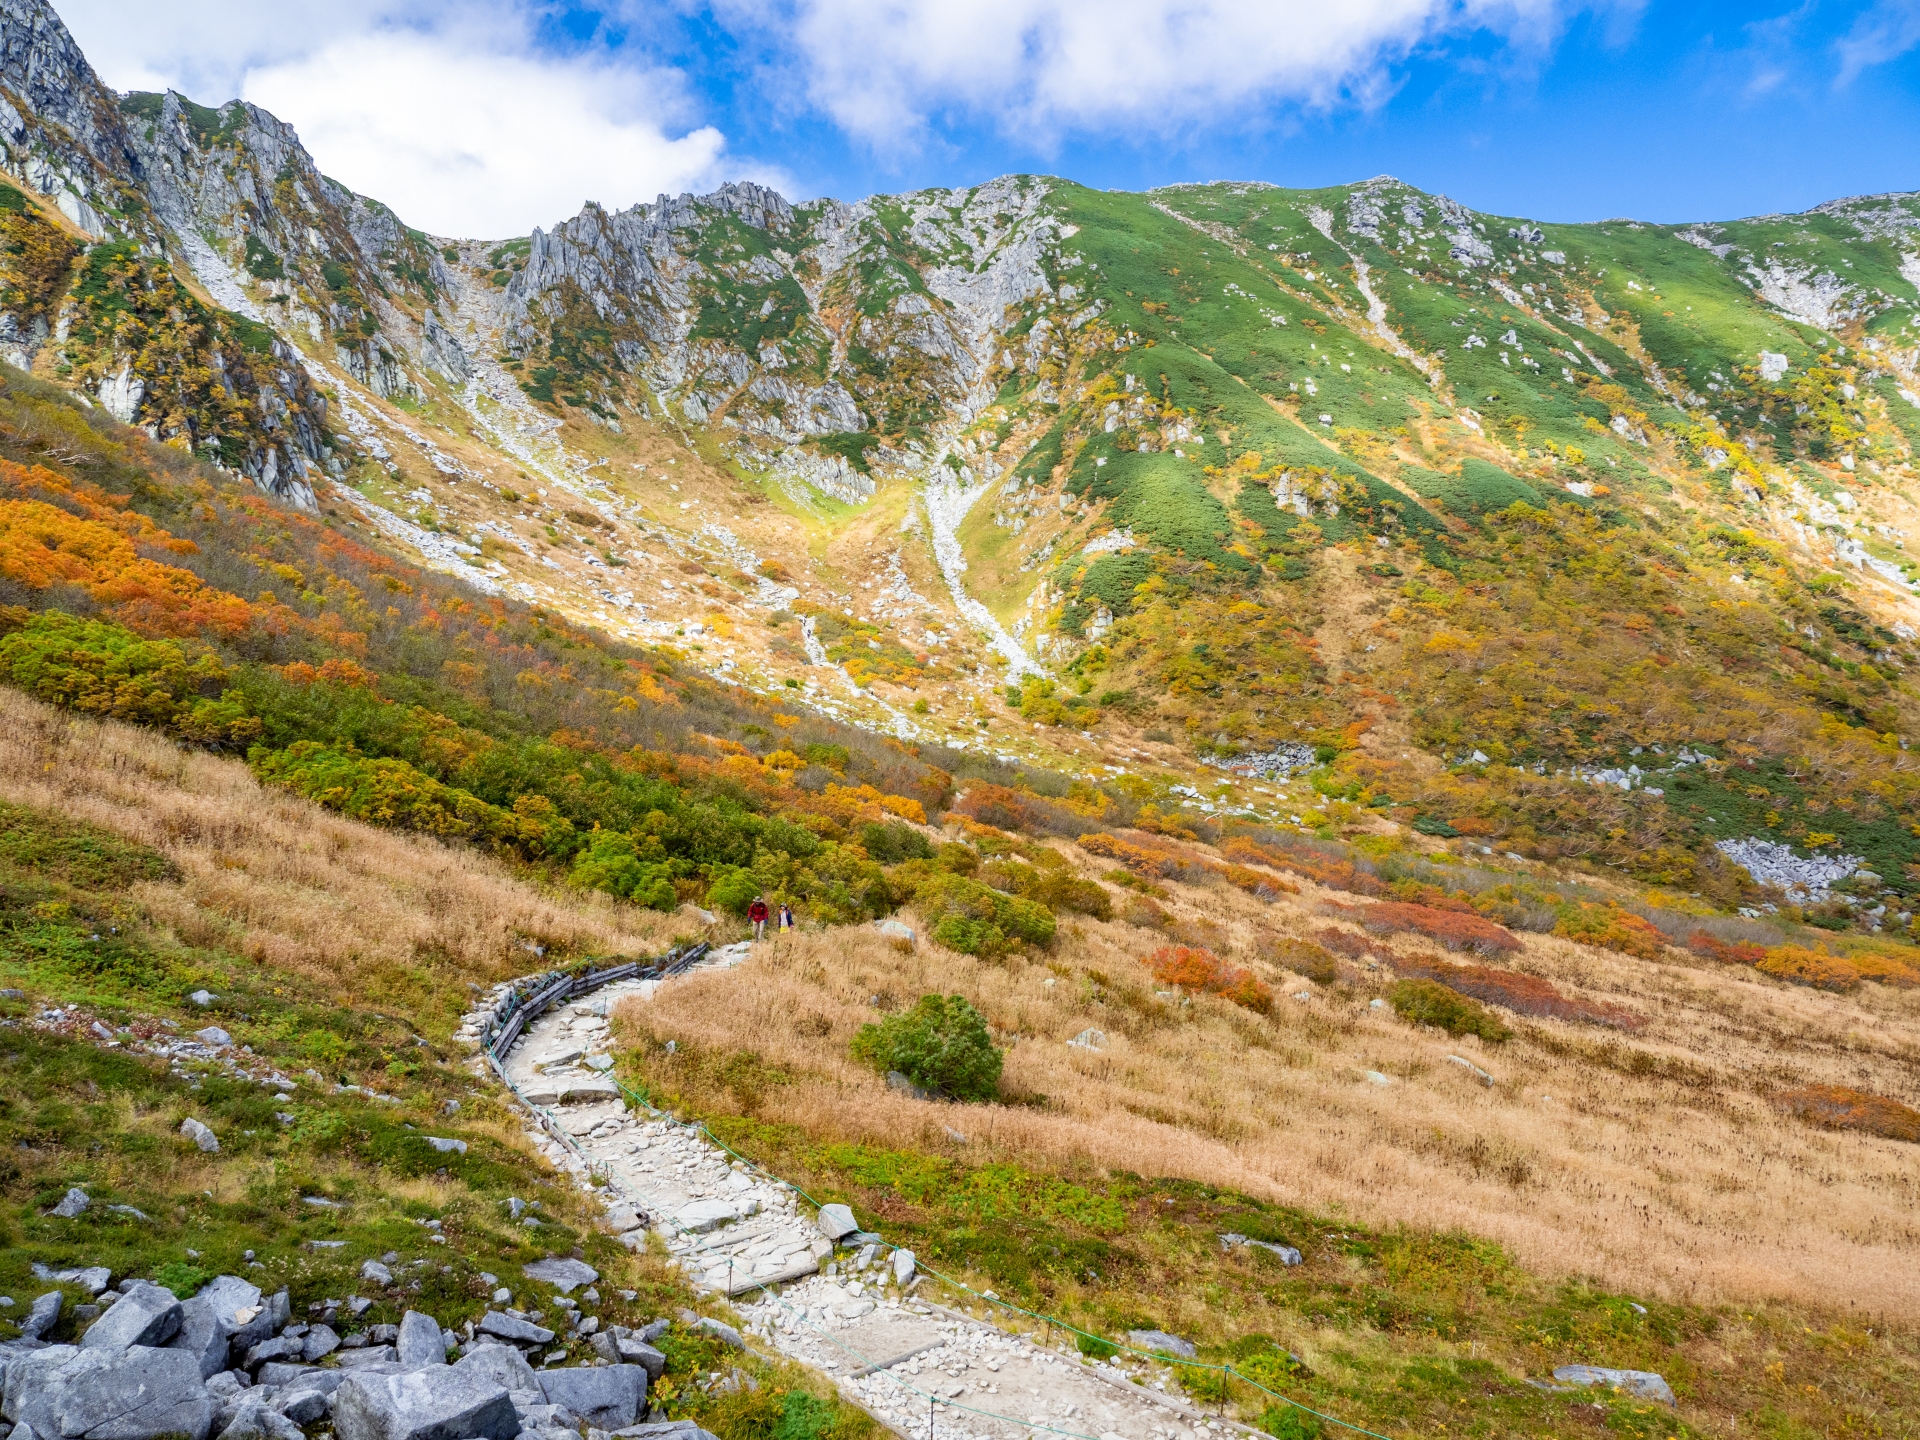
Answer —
1163 620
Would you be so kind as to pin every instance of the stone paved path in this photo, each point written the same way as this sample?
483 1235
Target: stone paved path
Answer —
927 1372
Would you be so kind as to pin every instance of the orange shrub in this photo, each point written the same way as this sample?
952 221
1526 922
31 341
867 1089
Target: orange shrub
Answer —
996 805
42 545
1152 860
337 671
1838 1108
1257 882
1885 969
1522 994
1193 968
1333 873
1802 966
1611 928
1450 928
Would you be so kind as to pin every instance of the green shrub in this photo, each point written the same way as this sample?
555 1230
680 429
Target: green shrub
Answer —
384 792
976 919
941 1044
732 889
1094 1347
104 670
1289 1422
1427 1002
616 863
183 1279
894 842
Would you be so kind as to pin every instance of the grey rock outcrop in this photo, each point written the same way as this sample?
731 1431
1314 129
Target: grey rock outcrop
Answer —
501 1363
515 1331
437 1403
419 1342
836 1221
257 1420
607 1397
145 1315
563 1275
140 1393
42 1315
200 1133
1645 1384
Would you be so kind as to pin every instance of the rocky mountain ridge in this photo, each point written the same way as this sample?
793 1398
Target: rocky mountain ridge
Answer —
1164 483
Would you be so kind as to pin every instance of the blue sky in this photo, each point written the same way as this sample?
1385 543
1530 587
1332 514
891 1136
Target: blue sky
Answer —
491 116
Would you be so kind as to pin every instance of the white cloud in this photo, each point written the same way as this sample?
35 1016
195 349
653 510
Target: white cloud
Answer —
464 142
204 48
454 118
1886 32
881 68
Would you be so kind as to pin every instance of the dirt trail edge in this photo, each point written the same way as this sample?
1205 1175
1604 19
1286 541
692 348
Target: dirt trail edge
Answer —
925 1371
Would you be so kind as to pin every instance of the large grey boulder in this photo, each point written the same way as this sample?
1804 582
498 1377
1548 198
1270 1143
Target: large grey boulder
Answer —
502 1363
279 1347
442 1402
638 1352
368 1355
139 1393
145 1314
605 1396
203 1337
311 1396
1645 1384
420 1342
72 1203
201 1134
562 1275
319 1342
42 1315
520 1332
836 1221
701 1216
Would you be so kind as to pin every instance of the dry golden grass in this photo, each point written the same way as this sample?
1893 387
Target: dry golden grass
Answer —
367 914
1653 1163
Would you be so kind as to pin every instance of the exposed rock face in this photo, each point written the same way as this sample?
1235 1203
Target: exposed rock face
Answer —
439 1403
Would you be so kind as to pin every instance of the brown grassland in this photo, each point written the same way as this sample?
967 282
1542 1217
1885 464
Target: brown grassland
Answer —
374 916
1655 1163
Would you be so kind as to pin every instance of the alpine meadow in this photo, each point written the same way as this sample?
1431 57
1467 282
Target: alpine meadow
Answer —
984 814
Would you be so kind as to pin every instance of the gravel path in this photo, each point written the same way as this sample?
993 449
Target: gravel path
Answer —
927 1372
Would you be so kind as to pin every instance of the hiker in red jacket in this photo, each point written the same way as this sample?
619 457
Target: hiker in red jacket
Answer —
757 913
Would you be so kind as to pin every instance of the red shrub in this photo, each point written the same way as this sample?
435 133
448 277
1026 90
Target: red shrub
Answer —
1522 994
1450 928
1738 952
1192 968
1838 1108
1354 947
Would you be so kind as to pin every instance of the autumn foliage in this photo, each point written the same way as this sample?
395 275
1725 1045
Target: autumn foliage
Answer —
1522 994
1451 928
1835 1107
1199 970
1801 965
1611 928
